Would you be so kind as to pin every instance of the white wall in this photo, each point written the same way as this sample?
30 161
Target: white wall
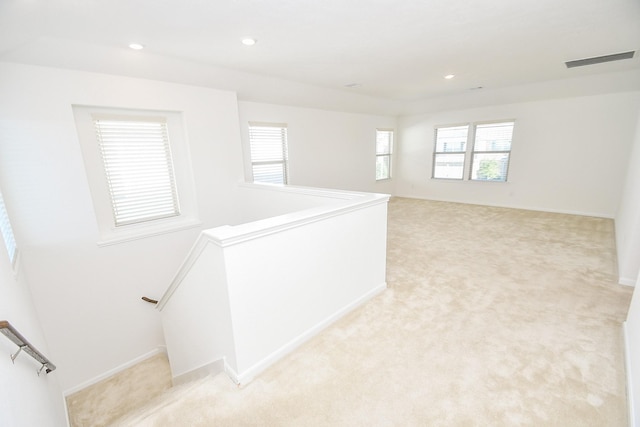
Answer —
26 399
628 218
568 155
256 201
301 280
628 246
252 293
632 342
88 297
327 149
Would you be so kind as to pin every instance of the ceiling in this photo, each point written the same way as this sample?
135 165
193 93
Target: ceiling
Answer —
396 52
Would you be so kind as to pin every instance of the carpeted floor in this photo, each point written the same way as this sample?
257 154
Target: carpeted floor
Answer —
493 317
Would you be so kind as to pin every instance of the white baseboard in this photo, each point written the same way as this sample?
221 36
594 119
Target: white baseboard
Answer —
66 410
626 281
212 368
627 364
231 373
112 372
247 375
505 205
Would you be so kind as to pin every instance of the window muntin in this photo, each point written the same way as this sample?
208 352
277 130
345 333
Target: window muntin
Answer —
138 166
491 151
7 232
450 151
384 150
269 152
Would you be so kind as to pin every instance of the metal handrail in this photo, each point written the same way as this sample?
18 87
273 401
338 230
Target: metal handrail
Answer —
10 332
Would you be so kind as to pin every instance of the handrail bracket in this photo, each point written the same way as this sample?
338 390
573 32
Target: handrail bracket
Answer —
14 336
13 356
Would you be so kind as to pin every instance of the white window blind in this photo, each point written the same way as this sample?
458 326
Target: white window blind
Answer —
7 232
491 151
269 154
137 162
384 149
450 151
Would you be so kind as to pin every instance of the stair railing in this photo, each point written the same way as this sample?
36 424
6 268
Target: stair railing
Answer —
23 345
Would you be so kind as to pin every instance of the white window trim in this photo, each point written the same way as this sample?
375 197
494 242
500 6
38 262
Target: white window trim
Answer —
464 153
285 151
6 229
474 152
389 154
470 151
108 233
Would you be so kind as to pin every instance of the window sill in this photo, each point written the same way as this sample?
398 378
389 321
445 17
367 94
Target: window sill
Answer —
122 236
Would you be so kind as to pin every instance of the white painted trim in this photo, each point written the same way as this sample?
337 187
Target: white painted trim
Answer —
309 191
627 282
231 373
495 205
627 364
189 261
66 409
123 237
232 235
249 374
226 235
208 369
116 370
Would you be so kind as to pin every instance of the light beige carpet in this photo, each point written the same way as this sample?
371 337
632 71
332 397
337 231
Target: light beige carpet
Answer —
493 317
103 403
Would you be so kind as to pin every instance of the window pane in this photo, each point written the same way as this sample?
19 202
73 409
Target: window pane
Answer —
448 166
451 139
139 169
271 173
384 141
493 137
490 166
268 146
7 232
382 167
384 148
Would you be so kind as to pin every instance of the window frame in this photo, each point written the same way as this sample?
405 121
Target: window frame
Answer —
8 237
470 150
109 233
388 154
154 159
459 152
474 151
284 149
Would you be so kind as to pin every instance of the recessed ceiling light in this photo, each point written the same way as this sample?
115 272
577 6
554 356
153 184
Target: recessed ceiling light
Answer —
249 41
449 76
136 46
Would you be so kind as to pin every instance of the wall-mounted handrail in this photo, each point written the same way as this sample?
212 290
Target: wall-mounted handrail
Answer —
10 332
149 300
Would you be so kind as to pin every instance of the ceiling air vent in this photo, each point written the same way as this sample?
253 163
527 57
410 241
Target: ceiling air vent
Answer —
600 59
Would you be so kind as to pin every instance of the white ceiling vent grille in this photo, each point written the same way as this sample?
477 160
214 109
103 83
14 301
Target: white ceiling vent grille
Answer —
600 59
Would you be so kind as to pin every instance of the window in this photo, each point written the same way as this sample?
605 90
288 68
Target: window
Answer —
269 156
384 149
7 232
139 169
450 151
491 151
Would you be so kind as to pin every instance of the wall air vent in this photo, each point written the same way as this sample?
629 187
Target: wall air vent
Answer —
600 59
